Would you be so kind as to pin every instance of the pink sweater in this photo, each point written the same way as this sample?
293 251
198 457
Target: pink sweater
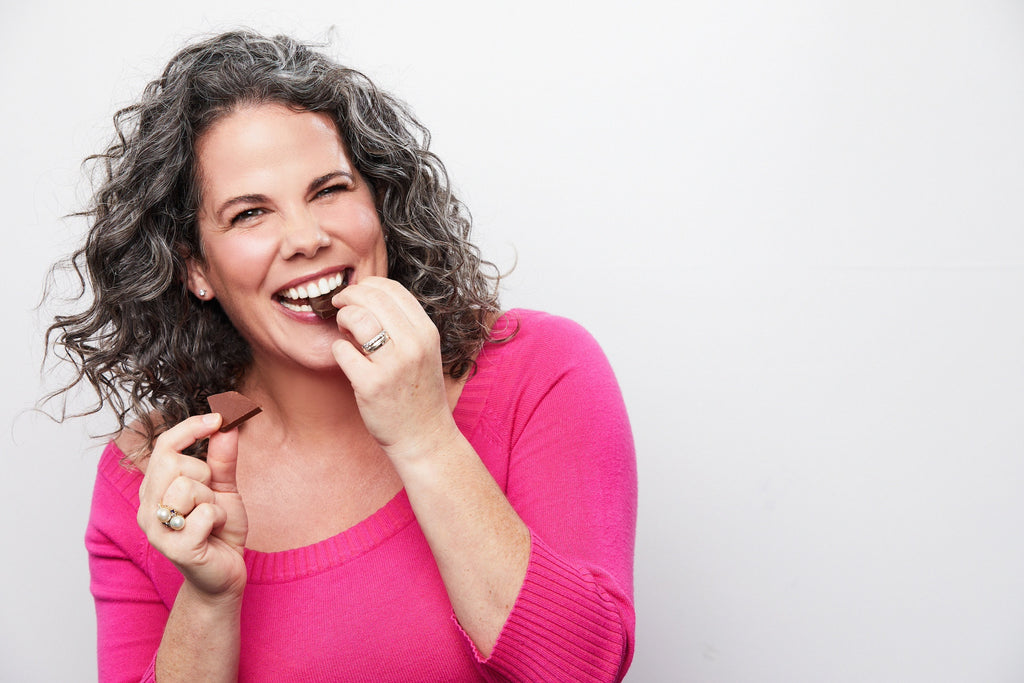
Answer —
546 416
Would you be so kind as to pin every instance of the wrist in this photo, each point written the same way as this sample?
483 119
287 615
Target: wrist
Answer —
226 601
427 445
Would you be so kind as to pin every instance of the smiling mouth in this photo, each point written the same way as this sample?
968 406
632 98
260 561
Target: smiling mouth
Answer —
309 297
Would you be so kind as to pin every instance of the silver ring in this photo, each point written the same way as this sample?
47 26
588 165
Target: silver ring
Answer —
375 343
170 518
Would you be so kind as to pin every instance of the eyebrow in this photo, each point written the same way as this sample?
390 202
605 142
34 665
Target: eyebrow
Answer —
243 199
262 198
326 178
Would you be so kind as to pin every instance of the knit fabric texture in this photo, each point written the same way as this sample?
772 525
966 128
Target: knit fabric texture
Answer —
545 414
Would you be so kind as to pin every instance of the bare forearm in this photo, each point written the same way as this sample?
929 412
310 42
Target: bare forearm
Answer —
480 544
201 640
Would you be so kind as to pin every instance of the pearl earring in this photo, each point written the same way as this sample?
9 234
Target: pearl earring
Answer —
202 293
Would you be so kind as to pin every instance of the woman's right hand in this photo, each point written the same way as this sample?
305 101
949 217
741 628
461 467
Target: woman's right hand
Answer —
208 550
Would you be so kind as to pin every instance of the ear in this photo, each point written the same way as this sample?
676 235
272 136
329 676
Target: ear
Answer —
198 283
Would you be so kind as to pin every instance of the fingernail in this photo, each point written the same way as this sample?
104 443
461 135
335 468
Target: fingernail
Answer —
211 419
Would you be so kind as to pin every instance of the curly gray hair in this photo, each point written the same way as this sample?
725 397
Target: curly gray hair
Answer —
142 342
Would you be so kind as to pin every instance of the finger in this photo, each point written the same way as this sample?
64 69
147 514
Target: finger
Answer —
395 309
180 544
360 323
185 494
187 432
163 467
381 296
181 496
222 459
403 299
352 361
206 519
166 464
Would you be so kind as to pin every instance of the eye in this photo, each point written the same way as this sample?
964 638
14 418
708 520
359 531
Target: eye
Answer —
248 214
331 189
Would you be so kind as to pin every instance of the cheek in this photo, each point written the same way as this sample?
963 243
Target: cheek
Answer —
374 234
360 228
369 224
239 262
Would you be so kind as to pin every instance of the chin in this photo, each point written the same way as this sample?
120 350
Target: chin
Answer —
316 357
321 362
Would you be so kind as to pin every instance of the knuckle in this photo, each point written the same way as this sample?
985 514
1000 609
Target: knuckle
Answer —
381 295
160 443
178 489
198 516
376 384
362 317
204 474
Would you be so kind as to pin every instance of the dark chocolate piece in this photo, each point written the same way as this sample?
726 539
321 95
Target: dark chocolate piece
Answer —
322 306
234 408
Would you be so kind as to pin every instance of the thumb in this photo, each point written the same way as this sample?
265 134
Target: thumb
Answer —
222 458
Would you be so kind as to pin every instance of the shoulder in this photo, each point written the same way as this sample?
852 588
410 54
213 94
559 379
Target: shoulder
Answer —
118 469
133 443
544 337
541 351
530 322
115 501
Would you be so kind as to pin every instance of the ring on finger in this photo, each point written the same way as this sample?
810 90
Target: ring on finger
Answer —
377 342
170 517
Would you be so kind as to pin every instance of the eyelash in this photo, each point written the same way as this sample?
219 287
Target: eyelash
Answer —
331 189
245 215
253 213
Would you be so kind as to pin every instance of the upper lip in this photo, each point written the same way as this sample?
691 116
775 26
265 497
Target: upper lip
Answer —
306 279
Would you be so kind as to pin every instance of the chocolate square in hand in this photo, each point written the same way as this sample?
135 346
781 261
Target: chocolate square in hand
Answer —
234 408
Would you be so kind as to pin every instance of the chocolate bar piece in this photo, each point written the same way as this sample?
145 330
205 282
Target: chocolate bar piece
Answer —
234 408
322 306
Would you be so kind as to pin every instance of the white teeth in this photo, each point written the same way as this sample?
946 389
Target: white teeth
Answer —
302 308
310 290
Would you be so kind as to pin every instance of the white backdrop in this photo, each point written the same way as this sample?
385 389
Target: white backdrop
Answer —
795 227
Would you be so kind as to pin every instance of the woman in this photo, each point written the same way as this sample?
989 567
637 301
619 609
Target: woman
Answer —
434 490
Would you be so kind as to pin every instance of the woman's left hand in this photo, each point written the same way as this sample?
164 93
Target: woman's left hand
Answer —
400 387
481 546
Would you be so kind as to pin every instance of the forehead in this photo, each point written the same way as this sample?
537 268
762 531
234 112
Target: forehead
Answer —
257 141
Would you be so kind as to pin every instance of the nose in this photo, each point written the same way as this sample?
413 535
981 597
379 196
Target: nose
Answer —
302 236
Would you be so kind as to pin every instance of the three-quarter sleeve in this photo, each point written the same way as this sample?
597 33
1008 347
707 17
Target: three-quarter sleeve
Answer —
130 612
572 479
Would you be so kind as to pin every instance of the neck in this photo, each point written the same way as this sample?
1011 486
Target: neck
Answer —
310 411
302 405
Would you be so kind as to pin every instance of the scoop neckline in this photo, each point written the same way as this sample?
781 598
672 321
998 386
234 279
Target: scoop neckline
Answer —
362 537
394 516
334 551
